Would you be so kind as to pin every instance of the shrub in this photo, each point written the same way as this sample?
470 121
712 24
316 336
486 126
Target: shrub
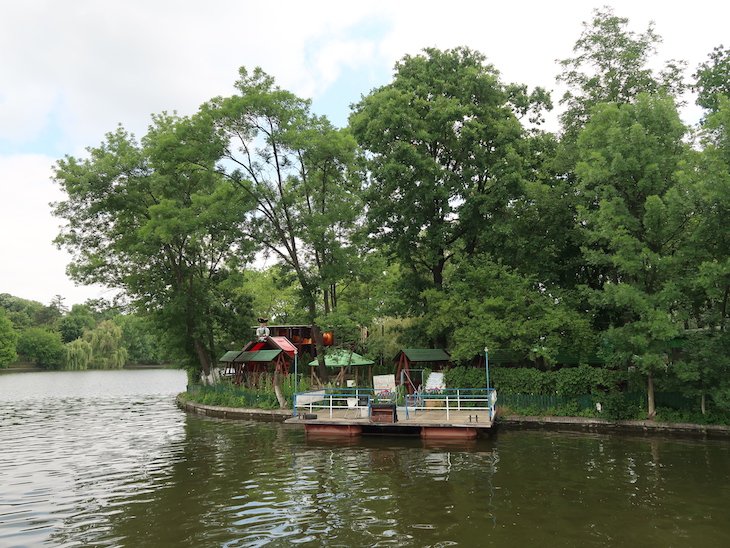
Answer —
42 347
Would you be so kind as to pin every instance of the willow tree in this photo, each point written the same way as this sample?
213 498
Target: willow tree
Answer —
296 169
156 221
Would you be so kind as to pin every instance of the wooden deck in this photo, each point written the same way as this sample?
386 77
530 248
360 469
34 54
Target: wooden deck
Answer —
428 423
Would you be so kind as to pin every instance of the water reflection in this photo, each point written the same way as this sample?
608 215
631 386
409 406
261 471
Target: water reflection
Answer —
123 466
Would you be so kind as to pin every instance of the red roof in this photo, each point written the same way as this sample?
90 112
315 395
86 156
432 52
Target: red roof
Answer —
285 344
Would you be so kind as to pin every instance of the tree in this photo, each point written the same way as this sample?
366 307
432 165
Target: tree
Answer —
140 339
611 65
635 219
75 322
704 367
712 79
443 143
295 168
21 312
105 342
156 220
78 355
42 347
485 302
8 340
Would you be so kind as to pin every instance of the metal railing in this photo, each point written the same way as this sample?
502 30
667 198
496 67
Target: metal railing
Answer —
334 399
452 399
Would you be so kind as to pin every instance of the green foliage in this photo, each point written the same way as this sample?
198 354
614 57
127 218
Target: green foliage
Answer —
612 64
25 313
42 347
486 301
78 355
712 79
262 397
157 220
465 377
107 351
615 406
140 339
8 340
441 140
275 295
73 324
564 382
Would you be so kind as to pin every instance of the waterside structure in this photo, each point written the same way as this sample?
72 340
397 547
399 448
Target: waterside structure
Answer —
442 414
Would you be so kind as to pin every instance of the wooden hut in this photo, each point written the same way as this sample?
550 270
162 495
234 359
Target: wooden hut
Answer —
250 365
274 354
409 359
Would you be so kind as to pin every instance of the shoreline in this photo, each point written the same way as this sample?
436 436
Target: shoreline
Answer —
507 422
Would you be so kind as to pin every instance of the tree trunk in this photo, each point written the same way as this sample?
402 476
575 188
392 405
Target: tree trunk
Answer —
319 345
203 356
650 397
277 390
703 404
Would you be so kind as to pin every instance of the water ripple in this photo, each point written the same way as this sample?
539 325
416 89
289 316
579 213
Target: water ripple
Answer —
116 464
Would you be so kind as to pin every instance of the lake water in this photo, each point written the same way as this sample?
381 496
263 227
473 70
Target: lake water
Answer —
104 458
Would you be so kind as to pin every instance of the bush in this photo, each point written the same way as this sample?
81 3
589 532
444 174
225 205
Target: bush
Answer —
262 397
42 347
568 381
619 407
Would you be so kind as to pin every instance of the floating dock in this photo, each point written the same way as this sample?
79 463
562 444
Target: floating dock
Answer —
453 414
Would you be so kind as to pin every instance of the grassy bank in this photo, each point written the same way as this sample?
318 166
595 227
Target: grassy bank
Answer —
230 395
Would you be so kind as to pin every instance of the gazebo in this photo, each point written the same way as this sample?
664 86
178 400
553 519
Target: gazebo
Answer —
253 363
258 357
343 359
407 357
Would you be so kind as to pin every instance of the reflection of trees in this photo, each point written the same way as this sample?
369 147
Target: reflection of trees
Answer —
247 483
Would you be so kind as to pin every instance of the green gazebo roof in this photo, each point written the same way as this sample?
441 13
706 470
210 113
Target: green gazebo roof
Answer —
343 358
229 356
258 356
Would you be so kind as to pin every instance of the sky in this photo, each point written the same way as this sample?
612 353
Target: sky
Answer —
72 70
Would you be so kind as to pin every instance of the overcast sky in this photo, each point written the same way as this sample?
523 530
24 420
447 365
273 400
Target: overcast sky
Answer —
71 70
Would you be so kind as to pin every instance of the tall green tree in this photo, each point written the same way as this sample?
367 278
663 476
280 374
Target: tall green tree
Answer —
612 64
156 220
635 219
296 168
712 79
443 143
486 302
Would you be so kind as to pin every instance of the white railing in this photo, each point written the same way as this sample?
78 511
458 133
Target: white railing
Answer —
354 400
452 399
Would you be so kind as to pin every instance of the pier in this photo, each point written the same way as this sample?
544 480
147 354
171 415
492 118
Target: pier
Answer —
447 414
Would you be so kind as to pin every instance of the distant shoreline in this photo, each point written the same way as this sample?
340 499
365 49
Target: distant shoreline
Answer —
28 368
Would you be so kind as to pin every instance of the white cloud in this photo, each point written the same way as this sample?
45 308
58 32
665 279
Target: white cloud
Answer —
30 266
